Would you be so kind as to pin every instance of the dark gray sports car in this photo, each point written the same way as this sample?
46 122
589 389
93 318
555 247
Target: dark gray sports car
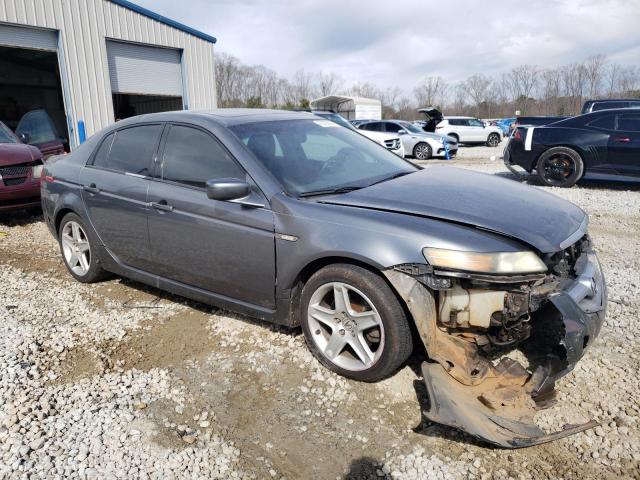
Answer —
290 218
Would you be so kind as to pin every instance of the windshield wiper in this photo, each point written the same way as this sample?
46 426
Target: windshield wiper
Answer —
395 175
330 191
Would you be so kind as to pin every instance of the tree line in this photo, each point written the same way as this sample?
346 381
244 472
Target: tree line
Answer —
530 89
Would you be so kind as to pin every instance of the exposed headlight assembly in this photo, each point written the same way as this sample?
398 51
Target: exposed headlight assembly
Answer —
494 262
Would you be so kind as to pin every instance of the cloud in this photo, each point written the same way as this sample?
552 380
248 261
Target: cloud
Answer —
395 43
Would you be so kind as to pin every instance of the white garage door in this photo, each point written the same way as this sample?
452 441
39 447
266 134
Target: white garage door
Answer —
144 70
24 37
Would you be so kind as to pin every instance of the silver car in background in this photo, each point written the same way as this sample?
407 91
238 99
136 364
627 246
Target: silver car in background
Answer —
417 143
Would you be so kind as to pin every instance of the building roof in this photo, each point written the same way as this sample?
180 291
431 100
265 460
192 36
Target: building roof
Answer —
335 100
162 19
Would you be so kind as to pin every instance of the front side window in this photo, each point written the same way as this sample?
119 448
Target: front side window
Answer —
192 157
629 122
131 150
315 156
476 123
38 126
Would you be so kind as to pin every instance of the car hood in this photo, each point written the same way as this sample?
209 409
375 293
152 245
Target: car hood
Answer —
489 202
15 153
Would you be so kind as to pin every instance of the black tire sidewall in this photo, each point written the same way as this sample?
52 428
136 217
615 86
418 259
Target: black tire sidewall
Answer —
95 272
575 156
493 135
429 150
398 340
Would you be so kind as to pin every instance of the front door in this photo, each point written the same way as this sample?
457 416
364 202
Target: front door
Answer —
115 186
624 144
223 247
477 131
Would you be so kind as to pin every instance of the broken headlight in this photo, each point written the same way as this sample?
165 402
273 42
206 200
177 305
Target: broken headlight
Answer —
493 262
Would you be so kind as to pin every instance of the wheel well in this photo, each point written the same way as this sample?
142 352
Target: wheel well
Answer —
59 216
308 270
454 135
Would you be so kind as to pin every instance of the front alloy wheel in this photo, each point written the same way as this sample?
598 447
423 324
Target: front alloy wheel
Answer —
345 326
422 151
354 323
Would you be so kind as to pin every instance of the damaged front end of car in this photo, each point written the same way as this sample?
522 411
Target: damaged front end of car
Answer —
469 322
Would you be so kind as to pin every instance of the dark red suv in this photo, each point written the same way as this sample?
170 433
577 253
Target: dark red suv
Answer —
20 169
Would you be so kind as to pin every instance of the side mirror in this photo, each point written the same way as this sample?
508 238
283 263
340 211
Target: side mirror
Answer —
24 137
402 132
226 189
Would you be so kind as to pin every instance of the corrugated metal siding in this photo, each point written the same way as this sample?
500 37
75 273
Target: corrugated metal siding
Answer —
135 68
84 26
36 38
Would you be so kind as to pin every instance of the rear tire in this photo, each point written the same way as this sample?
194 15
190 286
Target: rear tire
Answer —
369 322
78 249
422 151
493 140
560 167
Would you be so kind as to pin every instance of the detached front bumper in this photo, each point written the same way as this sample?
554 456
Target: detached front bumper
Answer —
497 401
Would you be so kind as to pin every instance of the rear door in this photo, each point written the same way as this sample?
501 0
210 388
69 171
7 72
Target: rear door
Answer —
624 143
223 247
477 130
116 183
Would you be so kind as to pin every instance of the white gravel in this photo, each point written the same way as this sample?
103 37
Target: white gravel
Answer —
88 389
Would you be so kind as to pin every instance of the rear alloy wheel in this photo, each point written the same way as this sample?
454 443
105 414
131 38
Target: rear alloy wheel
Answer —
422 151
77 251
560 167
493 140
354 324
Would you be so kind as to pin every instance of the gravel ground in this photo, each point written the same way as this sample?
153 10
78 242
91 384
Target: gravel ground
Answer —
118 380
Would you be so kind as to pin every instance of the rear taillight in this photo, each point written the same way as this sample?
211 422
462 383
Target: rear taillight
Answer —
49 179
439 128
517 135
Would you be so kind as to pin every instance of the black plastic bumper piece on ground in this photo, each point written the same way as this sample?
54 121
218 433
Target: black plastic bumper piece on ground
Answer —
455 405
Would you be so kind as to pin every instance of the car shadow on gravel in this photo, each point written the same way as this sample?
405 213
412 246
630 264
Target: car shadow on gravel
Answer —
20 218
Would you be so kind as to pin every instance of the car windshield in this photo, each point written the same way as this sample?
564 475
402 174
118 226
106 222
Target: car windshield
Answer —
38 126
317 156
5 134
411 127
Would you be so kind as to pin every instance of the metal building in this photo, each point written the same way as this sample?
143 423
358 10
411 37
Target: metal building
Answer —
352 108
87 63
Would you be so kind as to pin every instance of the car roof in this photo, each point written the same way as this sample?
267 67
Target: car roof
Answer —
459 117
223 116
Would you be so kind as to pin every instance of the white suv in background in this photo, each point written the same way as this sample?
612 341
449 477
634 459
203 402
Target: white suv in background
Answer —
469 130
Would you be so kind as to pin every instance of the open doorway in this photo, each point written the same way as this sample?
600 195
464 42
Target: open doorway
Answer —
29 83
126 105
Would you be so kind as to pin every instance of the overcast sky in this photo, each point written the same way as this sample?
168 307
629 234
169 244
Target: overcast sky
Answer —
397 42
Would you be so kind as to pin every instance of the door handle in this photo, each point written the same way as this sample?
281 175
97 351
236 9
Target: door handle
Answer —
162 205
622 139
91 188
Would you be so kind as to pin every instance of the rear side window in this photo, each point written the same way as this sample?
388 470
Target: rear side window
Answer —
131 150
608 105
629 122
100 158
374 126
604 123
192 157
456 122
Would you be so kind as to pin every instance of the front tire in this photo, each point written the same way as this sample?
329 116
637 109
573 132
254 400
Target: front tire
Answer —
422 151
493 140
560 167
354 324
78 250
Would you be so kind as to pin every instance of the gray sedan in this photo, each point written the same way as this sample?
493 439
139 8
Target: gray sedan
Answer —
295 220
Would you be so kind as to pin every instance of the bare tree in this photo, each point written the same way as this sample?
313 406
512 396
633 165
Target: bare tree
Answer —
328 83
478 89
594 69
431 91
